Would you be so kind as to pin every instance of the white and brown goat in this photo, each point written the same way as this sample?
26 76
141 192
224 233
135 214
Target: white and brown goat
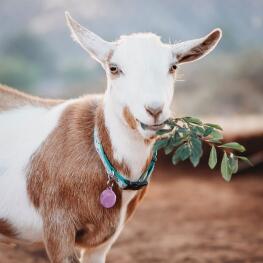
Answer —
51 176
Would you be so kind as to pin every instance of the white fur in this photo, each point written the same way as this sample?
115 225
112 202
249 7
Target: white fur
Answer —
21 134
96 46
144 80
125 143
98 254
144 61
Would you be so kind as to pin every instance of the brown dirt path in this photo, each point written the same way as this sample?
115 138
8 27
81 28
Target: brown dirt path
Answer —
196 218
189 215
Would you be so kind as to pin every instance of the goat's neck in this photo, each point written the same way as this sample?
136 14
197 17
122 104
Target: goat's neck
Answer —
128 147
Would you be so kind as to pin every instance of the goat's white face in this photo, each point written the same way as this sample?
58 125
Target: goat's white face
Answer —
142 87
141 71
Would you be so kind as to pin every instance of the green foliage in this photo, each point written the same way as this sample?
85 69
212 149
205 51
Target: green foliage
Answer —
24 59
160 144
17 73
212 157
233 163
32 49
181 154
234 146
215 136
183 138
196 149
208 131
215 126
192 120
225 168
245 159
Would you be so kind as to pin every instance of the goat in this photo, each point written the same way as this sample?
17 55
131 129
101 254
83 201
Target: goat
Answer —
51 176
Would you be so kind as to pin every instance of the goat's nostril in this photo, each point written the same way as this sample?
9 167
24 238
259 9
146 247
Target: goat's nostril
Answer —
154 110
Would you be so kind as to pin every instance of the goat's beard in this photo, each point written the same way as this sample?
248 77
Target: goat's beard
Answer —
135 128
146 134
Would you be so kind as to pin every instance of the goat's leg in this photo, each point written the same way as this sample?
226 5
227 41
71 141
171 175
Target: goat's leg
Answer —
59 239
95 255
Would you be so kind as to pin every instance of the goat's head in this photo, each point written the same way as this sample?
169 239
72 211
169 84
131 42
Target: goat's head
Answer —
141 71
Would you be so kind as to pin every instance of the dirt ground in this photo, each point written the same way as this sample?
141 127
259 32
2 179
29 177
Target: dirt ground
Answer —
188 215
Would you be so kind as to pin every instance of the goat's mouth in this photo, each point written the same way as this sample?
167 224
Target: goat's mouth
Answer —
154 127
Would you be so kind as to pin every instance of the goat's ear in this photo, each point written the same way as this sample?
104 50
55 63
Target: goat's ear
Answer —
197 48
95 45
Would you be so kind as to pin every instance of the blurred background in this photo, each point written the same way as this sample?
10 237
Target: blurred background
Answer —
195 216
37 54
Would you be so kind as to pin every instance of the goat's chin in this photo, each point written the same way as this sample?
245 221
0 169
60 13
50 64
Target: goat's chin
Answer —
146 134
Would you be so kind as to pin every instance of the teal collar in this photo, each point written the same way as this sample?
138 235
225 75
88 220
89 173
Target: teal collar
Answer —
121 180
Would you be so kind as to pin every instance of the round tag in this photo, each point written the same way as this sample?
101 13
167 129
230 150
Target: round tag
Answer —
108 198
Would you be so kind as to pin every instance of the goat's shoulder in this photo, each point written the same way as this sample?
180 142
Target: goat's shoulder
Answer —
68 147
11 98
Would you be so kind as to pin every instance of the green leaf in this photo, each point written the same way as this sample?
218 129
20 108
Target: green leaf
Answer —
175 159
163 131
185 152
212 158
181 154
171 122
208 131
193 120
182 132
177 140
216 126
196 150
194 159
214 140
245 159
160 144
216 135
169 148
234 146
225 171
198 130
233 163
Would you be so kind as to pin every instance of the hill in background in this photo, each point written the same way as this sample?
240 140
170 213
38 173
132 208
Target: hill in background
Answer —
38 56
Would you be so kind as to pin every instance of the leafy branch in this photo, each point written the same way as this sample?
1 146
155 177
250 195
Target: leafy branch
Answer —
184 137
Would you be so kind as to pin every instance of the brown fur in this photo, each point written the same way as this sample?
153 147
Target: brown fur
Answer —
11 98
199 50
65 180
129 118
7 229
139 196
134 202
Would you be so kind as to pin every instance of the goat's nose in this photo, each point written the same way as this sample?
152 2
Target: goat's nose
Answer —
154 109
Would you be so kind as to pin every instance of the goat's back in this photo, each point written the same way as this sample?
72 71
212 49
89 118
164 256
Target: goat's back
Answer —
11 98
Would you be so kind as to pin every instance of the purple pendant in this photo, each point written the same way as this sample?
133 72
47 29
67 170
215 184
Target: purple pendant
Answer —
108 198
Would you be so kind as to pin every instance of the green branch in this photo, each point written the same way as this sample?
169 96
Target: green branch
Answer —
184 137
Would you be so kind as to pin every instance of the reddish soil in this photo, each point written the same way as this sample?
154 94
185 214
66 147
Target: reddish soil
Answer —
188 215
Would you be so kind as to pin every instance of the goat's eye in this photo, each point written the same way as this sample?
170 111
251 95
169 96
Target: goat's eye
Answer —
114 69
172 68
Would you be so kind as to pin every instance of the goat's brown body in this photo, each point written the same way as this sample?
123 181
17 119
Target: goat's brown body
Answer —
66 176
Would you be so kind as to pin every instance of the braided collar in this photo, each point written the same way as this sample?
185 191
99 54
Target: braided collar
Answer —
122 181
